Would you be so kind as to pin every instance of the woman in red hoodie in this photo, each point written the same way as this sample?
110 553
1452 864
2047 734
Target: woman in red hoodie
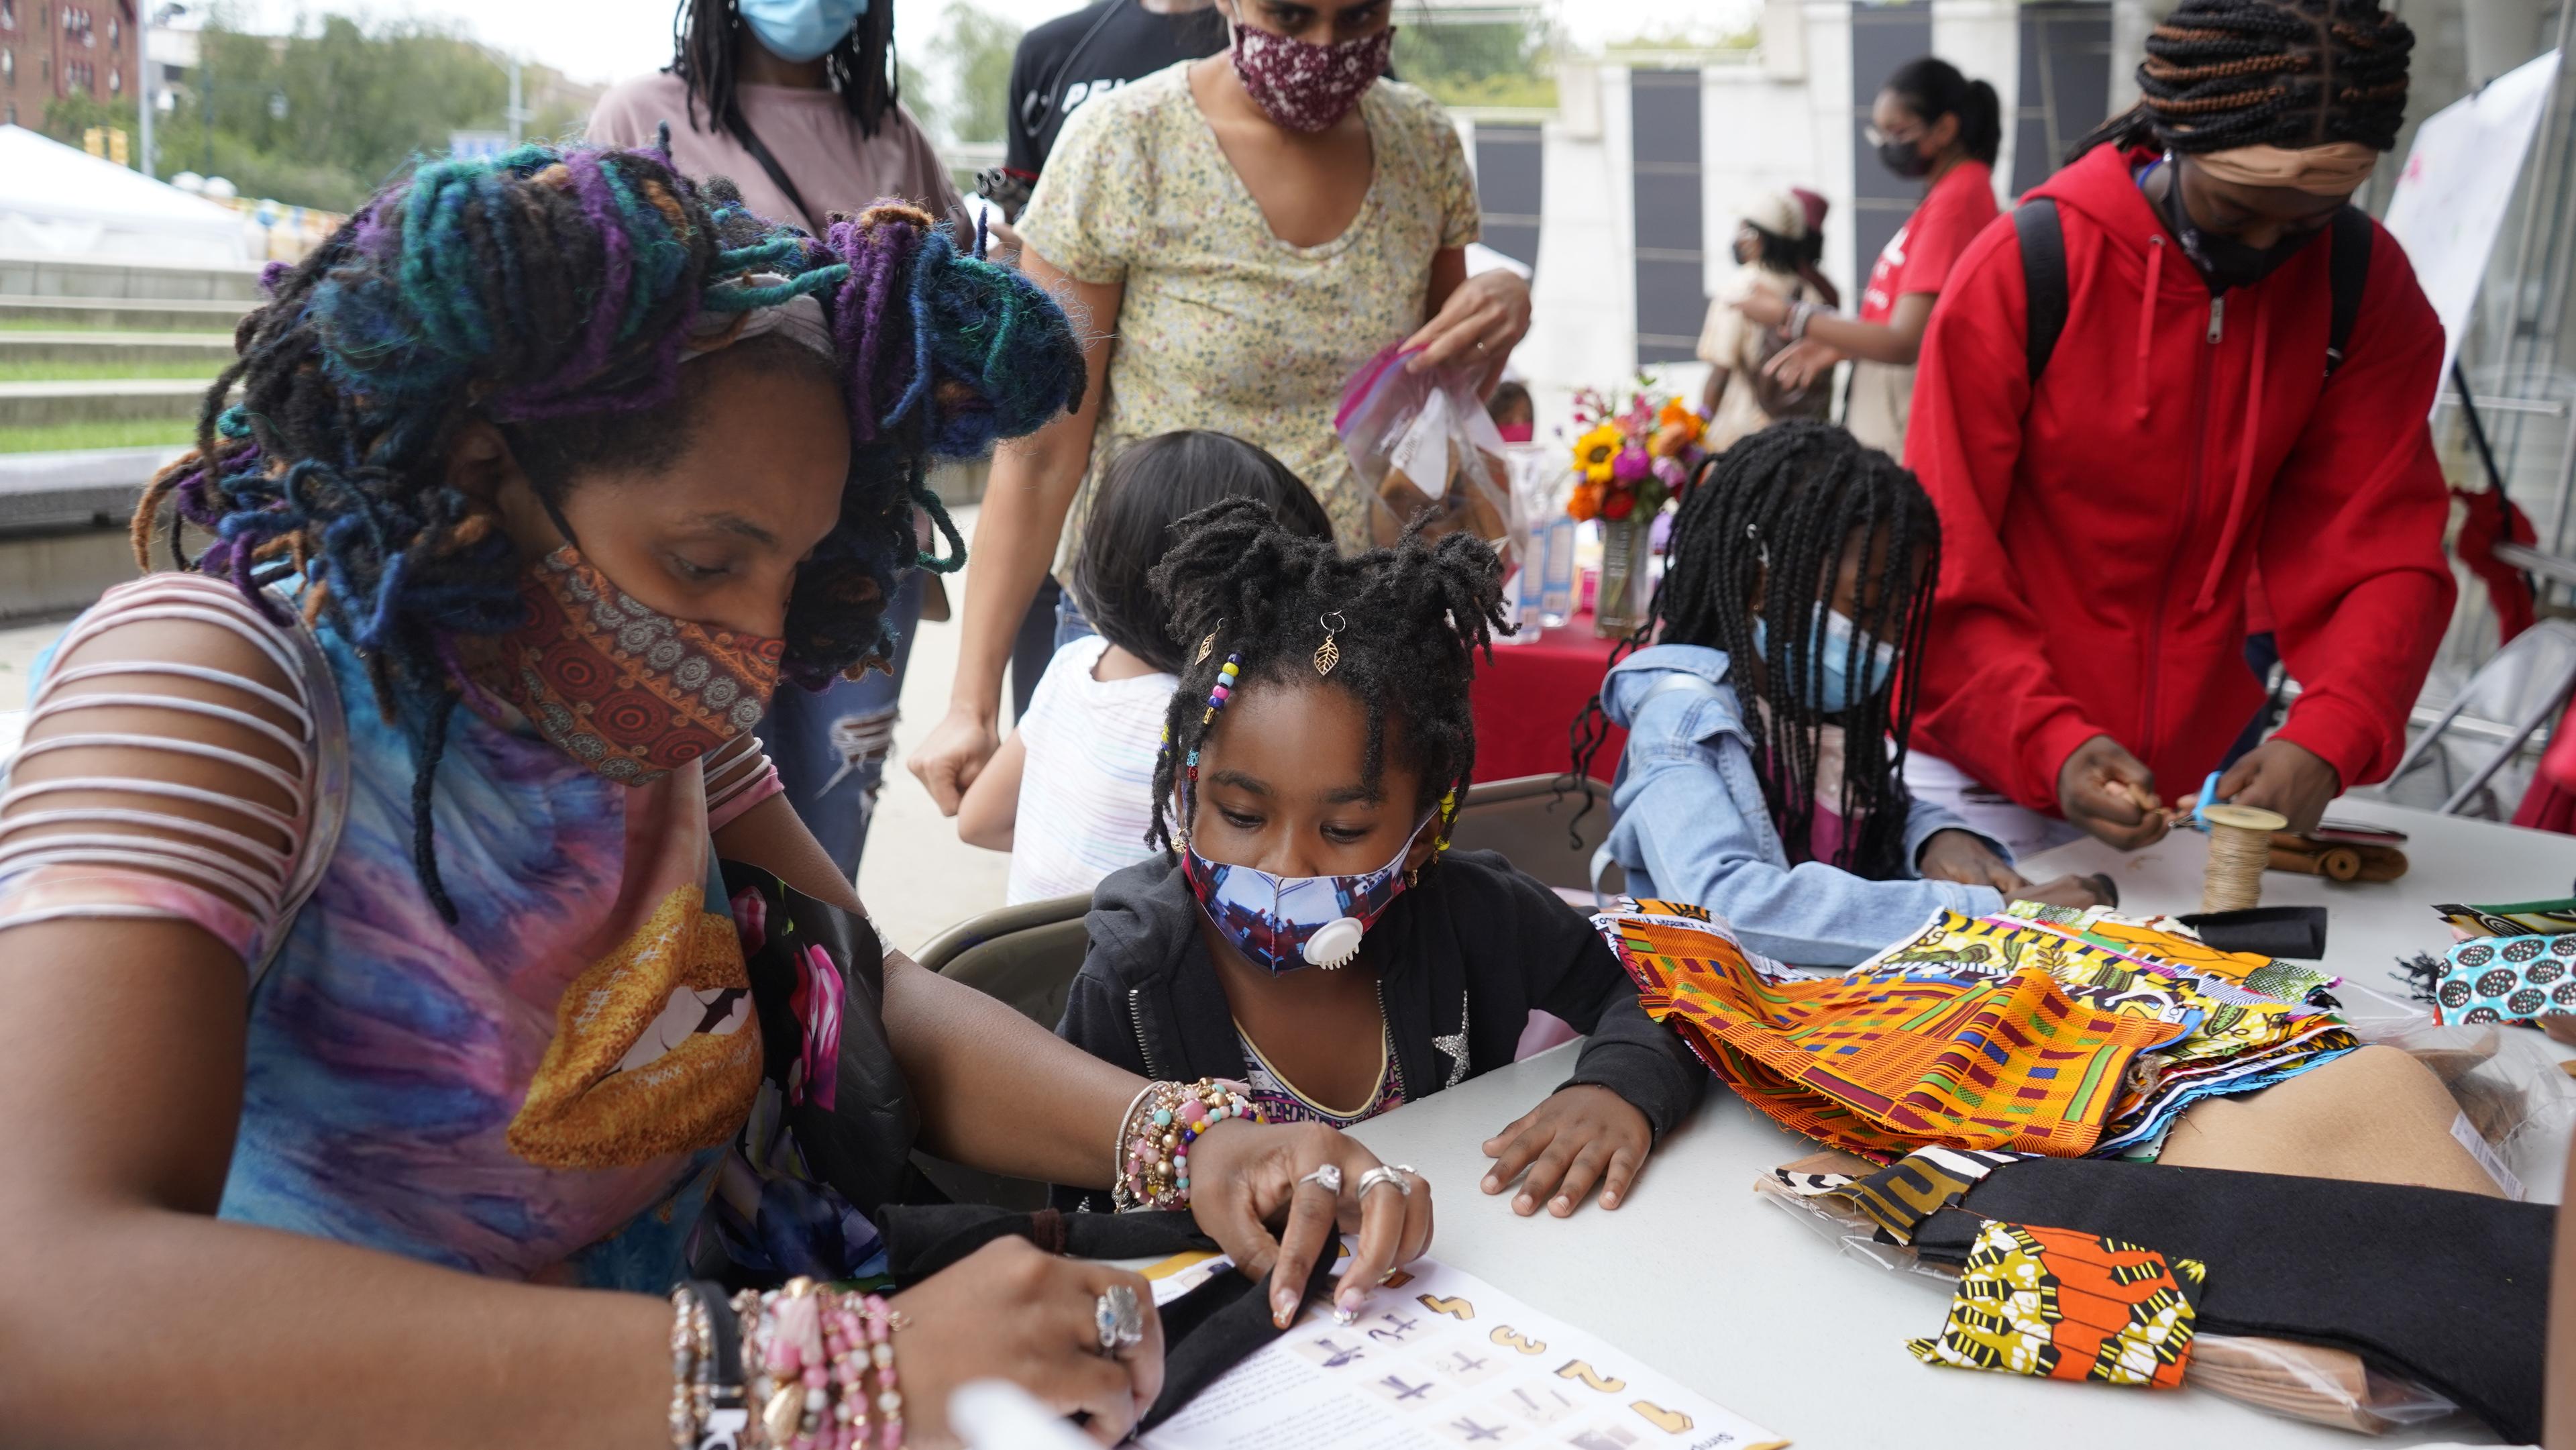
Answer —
2101 522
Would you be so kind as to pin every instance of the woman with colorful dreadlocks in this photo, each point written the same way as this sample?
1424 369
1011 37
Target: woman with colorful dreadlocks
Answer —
1764 772
2238 388
795 102
408 1040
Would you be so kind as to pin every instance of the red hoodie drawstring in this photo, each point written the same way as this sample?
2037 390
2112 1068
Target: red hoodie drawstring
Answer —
2147 323
2244 489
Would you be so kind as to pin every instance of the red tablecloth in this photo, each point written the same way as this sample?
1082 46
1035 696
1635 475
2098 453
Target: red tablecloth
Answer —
1526 700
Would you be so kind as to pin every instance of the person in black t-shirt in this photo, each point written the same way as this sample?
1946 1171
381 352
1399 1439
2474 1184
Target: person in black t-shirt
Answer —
1072 58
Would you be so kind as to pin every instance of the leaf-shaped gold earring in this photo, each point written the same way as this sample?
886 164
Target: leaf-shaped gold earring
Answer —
1205 645
1330 654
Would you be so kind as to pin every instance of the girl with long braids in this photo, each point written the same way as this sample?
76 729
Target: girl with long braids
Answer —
1305 927
396 1050
2234 404
795 103
1767 721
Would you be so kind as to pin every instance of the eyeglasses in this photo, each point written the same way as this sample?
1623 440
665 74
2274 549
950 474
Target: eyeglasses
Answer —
1877 137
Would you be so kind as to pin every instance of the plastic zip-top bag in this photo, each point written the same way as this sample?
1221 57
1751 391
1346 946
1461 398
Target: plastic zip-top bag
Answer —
1425 449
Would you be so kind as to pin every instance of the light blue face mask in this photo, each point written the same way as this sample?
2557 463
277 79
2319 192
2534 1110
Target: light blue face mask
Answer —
801 30
1830 644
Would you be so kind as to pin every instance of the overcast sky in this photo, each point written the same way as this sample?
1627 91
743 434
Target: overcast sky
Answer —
605 40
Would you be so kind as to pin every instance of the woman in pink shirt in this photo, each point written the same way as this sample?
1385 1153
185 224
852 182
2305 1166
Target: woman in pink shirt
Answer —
794 101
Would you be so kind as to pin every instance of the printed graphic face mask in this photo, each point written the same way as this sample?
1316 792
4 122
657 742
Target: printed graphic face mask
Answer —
626 690
1282 923
1307 87
801 30
1829 643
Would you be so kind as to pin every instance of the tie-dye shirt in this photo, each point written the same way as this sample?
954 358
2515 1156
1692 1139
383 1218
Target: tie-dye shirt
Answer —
541 1091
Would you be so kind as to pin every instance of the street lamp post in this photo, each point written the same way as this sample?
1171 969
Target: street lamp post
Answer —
148 92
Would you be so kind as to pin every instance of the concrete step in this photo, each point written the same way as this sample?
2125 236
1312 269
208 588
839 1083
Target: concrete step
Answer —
123 313
27 405
92 488
38 275
180 351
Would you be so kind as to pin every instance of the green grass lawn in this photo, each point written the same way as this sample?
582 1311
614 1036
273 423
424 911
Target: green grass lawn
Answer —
81 372
119 433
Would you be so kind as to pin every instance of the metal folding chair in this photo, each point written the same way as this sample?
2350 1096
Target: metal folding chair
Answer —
1527 821
2521 690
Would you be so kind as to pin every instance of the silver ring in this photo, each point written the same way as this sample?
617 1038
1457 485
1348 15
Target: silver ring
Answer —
1380 1176
1328 1177
1120 1318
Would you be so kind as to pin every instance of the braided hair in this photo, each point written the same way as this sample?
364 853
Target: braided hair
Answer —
1239 584
2220 74
1775 512
706 35
549 293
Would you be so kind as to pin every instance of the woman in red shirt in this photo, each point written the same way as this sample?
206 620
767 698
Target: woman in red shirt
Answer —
1929 121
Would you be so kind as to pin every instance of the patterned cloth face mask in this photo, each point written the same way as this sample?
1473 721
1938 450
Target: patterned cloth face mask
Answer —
1303 86
1281 923
621 687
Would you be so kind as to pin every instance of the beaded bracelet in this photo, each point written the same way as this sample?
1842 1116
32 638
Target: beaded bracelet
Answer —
1154 1139
807 1356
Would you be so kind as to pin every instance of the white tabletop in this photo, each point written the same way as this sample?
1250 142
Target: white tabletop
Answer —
1705 1280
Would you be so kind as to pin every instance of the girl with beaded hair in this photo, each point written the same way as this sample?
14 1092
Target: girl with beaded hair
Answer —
2232 415
403 1030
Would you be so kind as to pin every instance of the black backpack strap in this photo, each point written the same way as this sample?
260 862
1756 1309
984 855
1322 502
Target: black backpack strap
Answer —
2043 278
741 128
2348 274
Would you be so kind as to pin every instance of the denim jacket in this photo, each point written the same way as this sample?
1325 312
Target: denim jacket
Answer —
1689 824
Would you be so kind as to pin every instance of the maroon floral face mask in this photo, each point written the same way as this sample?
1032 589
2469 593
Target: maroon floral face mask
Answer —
1307 87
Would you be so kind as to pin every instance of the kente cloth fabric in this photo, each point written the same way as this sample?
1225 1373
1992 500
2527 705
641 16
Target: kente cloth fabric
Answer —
2507 979
2447 1289
2236 1036
2520 918
2062 1304
1881 1063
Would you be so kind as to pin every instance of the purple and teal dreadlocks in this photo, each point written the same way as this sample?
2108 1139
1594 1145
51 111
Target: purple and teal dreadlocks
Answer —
550 292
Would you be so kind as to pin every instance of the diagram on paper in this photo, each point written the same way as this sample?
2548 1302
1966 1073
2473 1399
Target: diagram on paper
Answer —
1443 1359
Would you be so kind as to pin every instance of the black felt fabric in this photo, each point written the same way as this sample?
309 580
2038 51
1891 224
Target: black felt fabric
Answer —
1206 1332
2449 1289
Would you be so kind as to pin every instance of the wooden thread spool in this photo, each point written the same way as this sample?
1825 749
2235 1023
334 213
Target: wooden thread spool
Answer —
2240 847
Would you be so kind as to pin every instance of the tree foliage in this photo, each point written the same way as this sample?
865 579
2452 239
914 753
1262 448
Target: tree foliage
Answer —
360 103
1481 62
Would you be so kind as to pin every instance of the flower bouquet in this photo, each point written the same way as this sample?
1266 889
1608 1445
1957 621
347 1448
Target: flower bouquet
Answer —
1628 461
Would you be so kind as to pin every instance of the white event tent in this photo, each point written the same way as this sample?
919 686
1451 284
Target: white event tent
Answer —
58 200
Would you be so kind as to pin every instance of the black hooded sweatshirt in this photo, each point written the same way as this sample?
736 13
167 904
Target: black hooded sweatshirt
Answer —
1470 950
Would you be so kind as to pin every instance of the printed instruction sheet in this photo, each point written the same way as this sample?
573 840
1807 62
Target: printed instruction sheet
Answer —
1442 1359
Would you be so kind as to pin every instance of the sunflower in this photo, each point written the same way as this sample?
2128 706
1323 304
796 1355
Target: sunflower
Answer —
1597 450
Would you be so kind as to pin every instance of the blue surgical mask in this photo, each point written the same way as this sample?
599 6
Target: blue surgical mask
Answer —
801 30
1829 644
1282 923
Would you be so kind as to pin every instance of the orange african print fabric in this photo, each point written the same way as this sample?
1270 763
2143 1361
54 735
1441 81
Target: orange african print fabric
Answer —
2064 1305
1882 1063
